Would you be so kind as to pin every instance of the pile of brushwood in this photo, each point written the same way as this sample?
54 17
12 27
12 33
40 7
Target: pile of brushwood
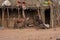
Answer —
28 22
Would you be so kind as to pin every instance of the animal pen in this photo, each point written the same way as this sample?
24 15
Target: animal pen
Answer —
48 14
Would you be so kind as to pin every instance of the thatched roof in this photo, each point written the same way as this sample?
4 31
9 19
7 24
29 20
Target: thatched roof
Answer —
12 1
28 2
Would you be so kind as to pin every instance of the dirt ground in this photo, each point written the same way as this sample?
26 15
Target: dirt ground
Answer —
30 34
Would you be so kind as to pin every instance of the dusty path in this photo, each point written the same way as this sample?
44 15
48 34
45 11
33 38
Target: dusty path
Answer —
29 34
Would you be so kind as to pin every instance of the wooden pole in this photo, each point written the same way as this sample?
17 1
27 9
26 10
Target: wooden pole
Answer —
42 14
8 17
3 17
23 13
39 14
18 12
52 16
54 10
58 13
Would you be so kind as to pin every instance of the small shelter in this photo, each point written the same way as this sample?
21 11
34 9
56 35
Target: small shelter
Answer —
46 10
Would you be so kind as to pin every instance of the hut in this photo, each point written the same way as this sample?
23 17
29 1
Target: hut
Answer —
46 12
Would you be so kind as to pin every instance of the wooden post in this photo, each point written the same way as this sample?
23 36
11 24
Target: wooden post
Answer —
3 17
54 10
58 13
23 8
8 17
18 12
42 15
39 14
23 13
55 15
52 17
